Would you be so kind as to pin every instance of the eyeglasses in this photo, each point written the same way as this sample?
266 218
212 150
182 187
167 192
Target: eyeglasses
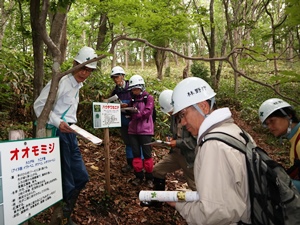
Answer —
182 114
86 69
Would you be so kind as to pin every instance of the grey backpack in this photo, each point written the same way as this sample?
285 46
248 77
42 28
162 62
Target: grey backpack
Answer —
274 198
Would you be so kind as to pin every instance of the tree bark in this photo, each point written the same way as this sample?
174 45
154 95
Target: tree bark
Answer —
159 57
38 54
58 30
212 45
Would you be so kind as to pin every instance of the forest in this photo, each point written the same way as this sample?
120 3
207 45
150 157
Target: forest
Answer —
248 50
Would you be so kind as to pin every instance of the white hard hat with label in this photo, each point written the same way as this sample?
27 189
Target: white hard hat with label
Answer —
117 71
269 106
86 54
165 101
191 91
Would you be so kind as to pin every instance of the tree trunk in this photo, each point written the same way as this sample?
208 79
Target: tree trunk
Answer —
231 41
159 57
58 30
101 35
212 45
4 18
223 52
143 57
126 54
38 54
290 49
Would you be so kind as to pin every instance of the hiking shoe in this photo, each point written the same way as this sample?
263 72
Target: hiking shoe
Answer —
136 181
150 184
126 169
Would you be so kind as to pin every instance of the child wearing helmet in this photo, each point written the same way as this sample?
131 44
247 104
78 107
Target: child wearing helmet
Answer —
281 119
62 115
141 130
220 171
123 93
182 153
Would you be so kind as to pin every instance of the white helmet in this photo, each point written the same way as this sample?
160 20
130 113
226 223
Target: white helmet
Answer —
86 54
165 101
136 81
269 106
189 92
117 71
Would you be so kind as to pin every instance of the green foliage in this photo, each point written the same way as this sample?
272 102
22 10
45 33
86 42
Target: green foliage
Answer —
286 76
292 10
15 84
198 69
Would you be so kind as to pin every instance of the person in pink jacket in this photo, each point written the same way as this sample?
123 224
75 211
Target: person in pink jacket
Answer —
220 171
141 130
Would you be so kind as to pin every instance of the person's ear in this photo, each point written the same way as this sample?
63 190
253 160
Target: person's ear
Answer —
205 107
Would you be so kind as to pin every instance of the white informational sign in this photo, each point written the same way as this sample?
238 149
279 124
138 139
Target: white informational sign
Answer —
106 115
30 178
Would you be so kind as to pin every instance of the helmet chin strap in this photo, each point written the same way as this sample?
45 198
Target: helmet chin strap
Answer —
290 127
290 122
199 110
211 106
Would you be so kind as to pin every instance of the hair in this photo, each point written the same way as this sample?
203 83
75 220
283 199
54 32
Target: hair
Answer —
214 107
288 111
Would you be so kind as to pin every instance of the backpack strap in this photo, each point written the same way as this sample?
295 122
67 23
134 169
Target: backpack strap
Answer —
227 139
146 98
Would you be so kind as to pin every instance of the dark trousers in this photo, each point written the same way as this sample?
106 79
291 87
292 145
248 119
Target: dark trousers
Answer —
137 142
74 173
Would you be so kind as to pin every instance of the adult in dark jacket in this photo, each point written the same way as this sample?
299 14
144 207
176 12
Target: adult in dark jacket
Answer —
124 95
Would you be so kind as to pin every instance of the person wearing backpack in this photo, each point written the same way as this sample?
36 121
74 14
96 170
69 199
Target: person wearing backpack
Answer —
182 153
62 115
220 170
141 130
281 119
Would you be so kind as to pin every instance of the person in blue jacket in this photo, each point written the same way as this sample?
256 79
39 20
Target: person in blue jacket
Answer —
141 130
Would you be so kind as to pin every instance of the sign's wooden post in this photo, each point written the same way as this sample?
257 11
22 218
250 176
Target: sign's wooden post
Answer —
107 159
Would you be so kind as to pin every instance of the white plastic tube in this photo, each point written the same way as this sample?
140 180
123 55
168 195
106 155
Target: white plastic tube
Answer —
169 196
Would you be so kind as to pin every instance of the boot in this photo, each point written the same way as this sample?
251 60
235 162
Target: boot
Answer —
159 185
139 176
69 207
128 168
149 180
